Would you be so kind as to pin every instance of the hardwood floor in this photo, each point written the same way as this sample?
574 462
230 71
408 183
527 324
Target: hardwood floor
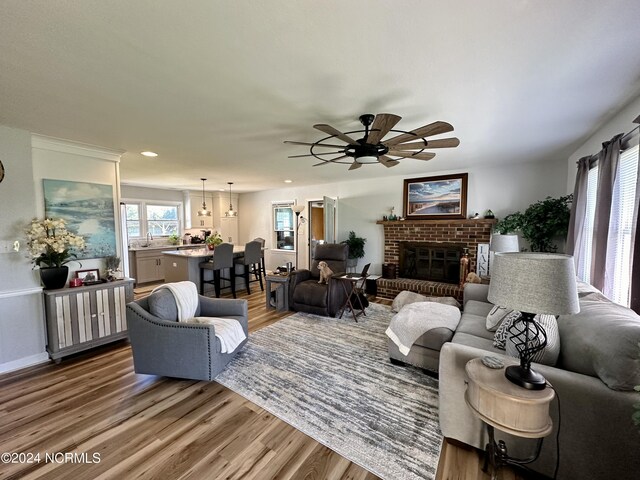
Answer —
122 425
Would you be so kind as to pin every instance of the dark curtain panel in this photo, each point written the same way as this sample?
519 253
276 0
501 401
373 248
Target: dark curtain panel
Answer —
578 211
635 249
608 159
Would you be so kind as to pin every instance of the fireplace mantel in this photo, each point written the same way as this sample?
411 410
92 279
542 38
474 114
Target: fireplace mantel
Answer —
466 221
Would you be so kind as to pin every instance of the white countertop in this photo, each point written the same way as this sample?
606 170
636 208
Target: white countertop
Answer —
164 247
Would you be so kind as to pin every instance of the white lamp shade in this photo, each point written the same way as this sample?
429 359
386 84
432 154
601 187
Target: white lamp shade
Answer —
504 243
297 208
534 283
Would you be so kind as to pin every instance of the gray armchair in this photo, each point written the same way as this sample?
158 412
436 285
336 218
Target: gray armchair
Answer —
307 295
163 346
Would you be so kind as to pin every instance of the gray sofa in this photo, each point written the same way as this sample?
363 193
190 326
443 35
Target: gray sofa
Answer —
598 347
163 346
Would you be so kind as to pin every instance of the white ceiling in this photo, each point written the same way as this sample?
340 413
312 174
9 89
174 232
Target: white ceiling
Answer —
216 86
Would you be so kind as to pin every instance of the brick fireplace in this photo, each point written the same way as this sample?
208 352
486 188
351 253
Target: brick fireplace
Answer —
466 233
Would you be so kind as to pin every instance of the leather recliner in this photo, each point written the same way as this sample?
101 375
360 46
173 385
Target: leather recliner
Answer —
307 295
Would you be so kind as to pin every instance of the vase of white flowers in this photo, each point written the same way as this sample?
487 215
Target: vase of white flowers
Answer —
51 247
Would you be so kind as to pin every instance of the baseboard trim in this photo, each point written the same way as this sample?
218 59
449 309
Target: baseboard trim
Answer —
24 362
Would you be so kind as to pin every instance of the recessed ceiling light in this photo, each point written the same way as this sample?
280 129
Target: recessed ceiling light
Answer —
149 154
288 181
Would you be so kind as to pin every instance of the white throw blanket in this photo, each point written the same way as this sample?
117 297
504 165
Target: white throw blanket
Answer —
415 319
186 295
228 331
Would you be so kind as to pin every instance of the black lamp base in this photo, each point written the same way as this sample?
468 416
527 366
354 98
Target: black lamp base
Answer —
525 377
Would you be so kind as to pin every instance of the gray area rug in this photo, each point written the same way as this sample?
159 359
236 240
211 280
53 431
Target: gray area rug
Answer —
332 379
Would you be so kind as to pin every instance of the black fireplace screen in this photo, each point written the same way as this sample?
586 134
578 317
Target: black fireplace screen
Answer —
437 262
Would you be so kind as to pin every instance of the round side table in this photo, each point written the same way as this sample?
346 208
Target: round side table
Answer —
512 409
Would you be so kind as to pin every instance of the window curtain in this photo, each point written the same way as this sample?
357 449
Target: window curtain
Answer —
608 159
578 212
635 249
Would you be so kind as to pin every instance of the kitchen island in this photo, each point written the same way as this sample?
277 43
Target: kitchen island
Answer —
180 265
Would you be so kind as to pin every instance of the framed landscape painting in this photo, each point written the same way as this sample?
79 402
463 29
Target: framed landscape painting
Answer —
432 198
88 211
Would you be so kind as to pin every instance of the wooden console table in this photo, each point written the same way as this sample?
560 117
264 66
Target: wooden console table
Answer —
84 317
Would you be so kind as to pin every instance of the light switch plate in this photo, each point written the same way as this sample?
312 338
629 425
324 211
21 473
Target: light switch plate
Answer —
9 246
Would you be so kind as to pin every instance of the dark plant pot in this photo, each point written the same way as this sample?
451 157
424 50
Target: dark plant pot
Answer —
211 246
54 277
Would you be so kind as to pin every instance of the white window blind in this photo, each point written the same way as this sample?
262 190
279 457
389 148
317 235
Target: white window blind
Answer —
618 281
584 269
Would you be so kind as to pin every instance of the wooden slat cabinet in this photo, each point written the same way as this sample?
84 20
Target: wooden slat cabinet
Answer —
84 317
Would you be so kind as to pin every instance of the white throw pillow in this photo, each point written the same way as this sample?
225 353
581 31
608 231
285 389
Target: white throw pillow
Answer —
496 316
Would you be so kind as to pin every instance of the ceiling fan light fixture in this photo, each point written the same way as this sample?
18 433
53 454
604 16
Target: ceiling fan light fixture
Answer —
204 212
231 212
367 159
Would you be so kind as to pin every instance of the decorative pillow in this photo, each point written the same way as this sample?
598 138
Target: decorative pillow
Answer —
496 316
602 341
550 353
406 297
500 338
162 304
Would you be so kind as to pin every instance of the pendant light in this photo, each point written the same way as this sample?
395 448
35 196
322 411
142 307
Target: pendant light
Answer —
231 212
204 212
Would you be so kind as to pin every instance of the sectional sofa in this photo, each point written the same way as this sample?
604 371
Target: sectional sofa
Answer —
598 365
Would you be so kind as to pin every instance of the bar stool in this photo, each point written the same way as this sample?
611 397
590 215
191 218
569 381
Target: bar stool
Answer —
222 259
262 267
251 264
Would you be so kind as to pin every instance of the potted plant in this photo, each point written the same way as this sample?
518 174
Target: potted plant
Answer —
174 239
356 248
213 240
51 247
541 223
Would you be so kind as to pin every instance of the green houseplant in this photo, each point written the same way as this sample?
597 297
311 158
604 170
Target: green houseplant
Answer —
356 248
213 240
540 223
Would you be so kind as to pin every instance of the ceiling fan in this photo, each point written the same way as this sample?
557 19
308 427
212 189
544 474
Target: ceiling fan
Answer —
371 148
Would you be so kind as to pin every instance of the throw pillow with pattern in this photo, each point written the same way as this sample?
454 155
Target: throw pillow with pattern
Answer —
502 333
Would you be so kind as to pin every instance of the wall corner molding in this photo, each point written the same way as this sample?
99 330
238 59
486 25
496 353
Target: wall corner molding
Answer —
75 148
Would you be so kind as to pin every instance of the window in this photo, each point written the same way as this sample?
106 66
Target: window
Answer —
619 242
283 226
160 220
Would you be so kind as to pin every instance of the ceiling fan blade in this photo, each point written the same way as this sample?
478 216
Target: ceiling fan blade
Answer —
442 143
416 156
313 155
314 144
355 165
329 161
435 128
387 162
323 127
381 126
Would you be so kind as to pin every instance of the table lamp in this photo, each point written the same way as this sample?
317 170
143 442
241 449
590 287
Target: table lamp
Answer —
532 283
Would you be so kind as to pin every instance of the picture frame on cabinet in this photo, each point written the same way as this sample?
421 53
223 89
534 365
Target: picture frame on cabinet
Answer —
89 276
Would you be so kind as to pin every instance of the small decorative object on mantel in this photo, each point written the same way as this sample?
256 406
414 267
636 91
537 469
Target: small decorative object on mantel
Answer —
475 216
51 247
489 214
393 217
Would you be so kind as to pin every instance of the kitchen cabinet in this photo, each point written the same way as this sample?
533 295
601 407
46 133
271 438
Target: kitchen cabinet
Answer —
84 317
206 223
149 266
